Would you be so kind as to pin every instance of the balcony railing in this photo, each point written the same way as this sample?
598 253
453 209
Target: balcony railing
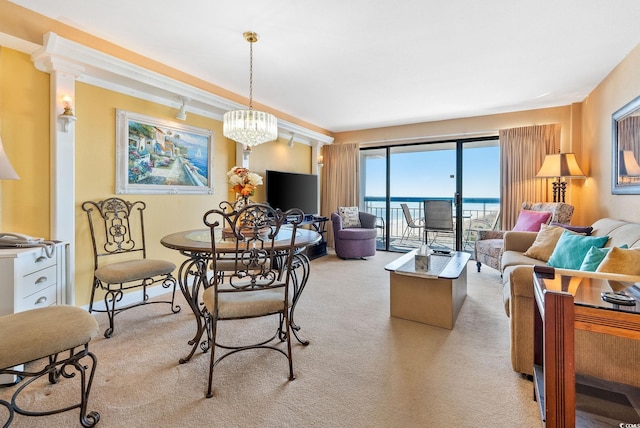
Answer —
477 213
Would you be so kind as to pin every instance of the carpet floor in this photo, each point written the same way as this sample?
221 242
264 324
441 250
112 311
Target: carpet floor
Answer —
362 368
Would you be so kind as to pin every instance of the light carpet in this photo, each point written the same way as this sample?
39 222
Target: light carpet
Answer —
363 368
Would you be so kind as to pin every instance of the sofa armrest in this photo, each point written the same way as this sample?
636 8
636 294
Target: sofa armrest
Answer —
518 241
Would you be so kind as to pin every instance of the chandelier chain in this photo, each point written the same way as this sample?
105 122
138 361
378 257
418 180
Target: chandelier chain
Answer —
250 75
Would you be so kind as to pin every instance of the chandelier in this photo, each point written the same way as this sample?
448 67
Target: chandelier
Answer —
250 127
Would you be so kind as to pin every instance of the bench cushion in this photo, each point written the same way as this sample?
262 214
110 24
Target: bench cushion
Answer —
31 335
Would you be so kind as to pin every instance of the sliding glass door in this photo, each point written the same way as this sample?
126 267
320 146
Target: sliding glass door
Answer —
461 175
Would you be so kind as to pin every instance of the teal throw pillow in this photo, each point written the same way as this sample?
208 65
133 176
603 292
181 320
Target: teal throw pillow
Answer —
571 249
594 257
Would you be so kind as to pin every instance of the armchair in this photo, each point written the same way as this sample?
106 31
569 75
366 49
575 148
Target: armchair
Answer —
490 243
355 242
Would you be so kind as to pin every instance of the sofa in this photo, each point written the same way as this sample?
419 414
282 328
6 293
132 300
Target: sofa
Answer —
612 358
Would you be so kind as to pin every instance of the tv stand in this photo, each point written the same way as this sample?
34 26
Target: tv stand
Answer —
318 224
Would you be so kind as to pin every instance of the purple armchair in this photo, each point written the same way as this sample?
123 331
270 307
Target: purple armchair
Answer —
355 242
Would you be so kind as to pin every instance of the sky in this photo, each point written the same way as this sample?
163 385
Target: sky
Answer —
432 173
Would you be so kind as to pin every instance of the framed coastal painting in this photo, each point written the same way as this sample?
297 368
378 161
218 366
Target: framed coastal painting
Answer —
155 156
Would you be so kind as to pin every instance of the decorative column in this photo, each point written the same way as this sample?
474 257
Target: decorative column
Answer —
63 75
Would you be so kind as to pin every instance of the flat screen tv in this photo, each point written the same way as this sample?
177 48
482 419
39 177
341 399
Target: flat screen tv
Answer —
286 190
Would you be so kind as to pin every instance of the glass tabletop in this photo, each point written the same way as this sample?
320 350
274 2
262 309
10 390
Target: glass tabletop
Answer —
587 290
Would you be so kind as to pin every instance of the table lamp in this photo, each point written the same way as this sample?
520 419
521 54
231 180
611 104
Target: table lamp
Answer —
560 165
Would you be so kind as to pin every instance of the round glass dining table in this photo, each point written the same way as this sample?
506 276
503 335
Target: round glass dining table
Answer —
196 246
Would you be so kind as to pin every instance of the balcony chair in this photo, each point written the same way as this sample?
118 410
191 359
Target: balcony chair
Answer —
120 260
355 241
412 223
438 219
59 336
253 281
490 243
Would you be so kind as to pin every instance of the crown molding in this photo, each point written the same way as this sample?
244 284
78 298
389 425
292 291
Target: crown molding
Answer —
105 71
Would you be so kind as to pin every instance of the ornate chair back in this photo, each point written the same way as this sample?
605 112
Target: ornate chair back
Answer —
120 257
254 280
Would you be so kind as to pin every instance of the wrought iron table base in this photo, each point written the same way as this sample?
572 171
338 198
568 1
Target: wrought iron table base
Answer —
194 270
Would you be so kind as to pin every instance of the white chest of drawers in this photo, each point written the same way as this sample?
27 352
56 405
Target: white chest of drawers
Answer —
29 280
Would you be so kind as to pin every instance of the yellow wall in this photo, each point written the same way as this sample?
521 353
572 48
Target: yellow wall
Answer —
621 86
95 173
24 128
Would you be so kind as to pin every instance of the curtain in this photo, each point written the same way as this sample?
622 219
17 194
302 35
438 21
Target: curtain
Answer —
522 152
340 180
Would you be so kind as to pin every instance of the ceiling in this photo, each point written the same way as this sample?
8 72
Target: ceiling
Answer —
358 64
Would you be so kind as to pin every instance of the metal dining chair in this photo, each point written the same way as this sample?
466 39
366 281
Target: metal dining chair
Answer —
120 260
256 281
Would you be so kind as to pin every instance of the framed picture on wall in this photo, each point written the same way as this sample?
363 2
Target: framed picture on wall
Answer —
156 156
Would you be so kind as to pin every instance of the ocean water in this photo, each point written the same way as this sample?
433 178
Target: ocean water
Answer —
200 163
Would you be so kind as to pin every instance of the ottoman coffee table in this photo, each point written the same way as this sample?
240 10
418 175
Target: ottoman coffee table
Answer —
432 297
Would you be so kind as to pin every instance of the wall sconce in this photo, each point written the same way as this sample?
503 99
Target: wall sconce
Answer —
246 153
320 161
67 117
182 114
290 143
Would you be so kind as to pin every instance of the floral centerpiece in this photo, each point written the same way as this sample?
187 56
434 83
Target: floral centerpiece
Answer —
243 182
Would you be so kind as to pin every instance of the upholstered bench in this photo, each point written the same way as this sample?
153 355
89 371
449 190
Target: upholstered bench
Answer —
61 334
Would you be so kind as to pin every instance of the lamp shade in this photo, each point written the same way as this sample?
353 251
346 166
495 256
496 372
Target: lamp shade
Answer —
560 165
628 165
6 170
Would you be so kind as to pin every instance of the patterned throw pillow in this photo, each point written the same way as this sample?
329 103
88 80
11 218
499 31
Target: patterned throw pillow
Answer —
350 216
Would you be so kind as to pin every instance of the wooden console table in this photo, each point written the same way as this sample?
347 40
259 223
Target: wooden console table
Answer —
565 303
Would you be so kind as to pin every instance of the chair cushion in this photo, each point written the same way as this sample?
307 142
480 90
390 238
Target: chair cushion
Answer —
133 270
530 221
246 304
37 333
357 234
571 249
350 216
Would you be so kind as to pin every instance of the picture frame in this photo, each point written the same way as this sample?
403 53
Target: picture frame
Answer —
625 142
155 156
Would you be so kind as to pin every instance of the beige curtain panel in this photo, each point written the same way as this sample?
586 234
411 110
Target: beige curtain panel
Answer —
522 152
340 180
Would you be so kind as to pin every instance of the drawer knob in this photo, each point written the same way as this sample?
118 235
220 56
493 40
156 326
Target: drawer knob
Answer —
41 259
41 300
41 280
